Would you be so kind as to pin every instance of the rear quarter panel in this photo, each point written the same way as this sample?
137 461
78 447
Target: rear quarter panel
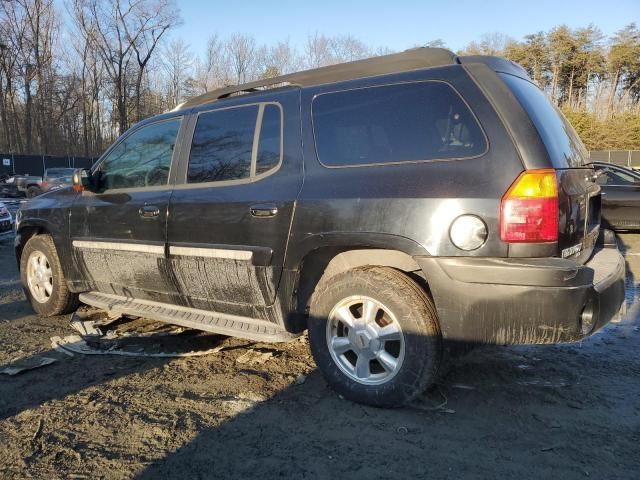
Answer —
413 201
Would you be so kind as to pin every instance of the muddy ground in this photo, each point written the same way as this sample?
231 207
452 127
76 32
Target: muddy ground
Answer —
568 411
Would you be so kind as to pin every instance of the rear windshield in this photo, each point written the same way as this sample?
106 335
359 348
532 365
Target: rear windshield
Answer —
407 122
562 142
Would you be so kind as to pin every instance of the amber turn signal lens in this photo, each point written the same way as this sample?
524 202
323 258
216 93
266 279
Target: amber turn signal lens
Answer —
534 184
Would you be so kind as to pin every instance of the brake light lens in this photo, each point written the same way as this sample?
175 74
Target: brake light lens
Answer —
529 209
44 184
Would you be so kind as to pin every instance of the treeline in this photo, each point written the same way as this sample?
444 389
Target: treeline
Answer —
71 81
593 79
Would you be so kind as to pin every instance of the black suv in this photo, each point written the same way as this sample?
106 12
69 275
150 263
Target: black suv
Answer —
396 207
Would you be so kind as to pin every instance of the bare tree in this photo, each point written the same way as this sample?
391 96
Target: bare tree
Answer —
177 61
317 51
119 28
217 65
347 48
241 51
281 59
152 22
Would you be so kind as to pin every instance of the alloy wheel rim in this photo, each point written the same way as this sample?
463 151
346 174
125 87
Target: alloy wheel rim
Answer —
365 340
39 276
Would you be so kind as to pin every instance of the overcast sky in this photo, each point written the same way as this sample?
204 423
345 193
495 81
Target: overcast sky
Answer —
396 24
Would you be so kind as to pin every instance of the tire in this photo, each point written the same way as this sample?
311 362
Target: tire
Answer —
46 301
33 192
399 303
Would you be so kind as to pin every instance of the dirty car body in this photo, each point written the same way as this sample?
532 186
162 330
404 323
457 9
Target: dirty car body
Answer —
336 176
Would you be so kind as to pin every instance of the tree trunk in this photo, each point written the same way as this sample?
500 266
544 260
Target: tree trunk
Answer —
28 107
554 82
570 95
121 106
612 95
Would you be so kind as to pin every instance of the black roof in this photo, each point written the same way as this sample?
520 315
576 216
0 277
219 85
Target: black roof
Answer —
397 62
414 59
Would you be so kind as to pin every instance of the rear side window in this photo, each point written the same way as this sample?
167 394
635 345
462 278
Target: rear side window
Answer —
270 136
222 145
563 144
395 123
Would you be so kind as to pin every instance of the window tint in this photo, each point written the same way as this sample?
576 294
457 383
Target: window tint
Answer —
408 122
143 159
269 146
563 144
222 143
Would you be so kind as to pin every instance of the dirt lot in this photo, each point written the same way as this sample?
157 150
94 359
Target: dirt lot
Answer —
569 411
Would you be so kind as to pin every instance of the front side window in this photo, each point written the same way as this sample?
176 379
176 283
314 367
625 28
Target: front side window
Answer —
395 123
142 159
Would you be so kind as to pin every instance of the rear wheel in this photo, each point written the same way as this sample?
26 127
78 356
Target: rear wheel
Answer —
33 192
374 335
43 280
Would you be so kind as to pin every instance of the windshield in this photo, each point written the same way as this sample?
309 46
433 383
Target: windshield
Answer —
562 142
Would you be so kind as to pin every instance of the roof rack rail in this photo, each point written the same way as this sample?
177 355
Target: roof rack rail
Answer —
413 59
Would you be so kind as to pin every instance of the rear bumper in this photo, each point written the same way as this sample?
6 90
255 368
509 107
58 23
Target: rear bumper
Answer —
525 301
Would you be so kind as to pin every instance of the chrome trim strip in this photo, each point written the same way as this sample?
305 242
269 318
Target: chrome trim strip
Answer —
211 253
123 247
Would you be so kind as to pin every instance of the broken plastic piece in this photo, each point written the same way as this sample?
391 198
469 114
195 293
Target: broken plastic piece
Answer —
28 363
254 357
75 344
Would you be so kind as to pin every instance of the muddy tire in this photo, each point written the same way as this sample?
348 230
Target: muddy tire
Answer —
43 280
33 192
375 336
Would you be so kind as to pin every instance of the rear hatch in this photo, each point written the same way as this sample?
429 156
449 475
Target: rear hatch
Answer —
578 194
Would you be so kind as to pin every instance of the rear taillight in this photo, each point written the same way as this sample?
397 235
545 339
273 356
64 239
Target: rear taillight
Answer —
529 209
44 184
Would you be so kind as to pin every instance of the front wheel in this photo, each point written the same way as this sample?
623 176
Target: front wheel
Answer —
43 279
374 334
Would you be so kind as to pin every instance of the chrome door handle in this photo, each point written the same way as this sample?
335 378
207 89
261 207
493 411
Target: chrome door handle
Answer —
263 210
149 211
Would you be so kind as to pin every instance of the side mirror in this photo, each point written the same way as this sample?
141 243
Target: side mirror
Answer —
80 179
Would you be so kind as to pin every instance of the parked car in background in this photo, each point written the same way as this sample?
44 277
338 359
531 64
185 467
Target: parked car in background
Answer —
396 207
29 185
620 196
6 221
56 178
9 187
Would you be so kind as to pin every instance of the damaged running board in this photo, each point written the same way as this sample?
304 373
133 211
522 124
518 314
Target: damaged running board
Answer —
230 325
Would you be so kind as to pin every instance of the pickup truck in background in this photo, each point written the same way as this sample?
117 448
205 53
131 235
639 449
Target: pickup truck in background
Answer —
29 185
